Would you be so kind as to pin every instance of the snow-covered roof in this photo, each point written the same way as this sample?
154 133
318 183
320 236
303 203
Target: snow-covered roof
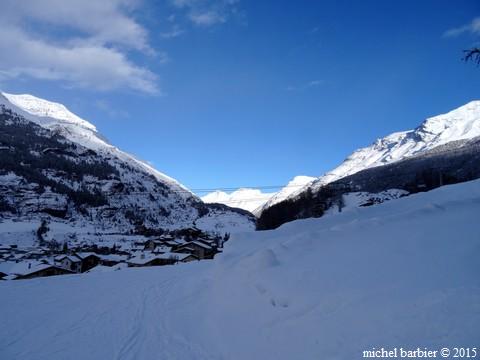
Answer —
103 268
113 257
72 258
201 244
84 255
178 256
139 260
23 267
162 248
173 255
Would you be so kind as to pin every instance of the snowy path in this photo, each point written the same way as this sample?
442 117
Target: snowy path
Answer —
120 317
404 273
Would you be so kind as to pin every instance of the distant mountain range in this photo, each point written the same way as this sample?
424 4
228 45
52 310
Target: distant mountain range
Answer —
254 200
248 199
56 168
459 124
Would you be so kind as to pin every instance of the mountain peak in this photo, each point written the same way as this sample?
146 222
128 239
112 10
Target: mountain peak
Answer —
44 108
293 186
458 124
300 180
56 117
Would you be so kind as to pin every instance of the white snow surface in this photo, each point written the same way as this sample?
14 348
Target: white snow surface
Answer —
458 124
56 117
43 108
297 183
400 274
359 199
243 198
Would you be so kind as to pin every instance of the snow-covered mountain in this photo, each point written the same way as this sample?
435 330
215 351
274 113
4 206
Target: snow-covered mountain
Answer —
459 124
297 183
56 167
244 198
254 200
57 118
47 109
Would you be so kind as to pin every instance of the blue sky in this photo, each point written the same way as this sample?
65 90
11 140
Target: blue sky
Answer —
227 93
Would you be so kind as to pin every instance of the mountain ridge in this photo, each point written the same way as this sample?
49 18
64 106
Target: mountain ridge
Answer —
64 172
79 130
458 124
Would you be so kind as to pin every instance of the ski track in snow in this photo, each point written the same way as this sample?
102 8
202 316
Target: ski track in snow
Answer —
142 324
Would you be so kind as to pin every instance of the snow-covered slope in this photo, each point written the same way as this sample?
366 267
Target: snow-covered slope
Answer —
297 183
56 117
400 274
48 109
461 123
56 165
247 199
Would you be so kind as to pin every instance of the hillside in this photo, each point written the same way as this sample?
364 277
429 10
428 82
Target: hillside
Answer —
432 136
452 163
57 169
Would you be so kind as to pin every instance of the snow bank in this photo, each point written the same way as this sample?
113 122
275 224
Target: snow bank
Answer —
402 273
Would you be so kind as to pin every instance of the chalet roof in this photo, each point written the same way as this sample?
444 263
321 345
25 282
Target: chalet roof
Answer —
178 256
36 252
103 268
84 255
25 267
162 248
172 242
113 257
198 243
186 247
138 260
181 256
72 258
40 267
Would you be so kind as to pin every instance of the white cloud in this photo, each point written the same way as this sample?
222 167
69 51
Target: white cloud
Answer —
314 83
81 43
207 12
207 18
174 32
308 85
473 28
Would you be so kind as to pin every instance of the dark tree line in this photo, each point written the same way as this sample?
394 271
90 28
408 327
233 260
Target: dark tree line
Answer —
30 152
447 164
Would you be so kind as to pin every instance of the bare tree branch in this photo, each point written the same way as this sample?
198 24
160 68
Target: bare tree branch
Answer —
472 54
